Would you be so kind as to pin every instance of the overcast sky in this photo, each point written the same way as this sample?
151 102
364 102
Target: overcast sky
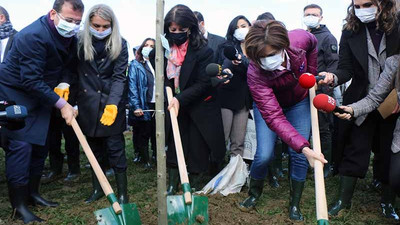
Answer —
137 17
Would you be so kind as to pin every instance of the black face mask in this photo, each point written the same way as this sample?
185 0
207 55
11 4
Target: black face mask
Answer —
178 38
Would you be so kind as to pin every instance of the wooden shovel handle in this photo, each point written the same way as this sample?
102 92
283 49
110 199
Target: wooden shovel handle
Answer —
178 146
320 196
105 185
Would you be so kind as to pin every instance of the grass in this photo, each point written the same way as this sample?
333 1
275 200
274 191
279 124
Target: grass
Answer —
272 207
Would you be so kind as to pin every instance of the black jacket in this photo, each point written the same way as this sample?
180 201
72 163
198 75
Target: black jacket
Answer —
327 49
102 82
9 43
214 41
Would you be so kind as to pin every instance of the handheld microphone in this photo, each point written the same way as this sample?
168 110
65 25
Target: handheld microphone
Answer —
307 80
327 104
231 53
14 112
214 69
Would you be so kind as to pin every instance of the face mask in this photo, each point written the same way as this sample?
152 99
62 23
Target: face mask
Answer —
178 38
146 51
311 21
100 35
272 63
66 29
240 33
366 15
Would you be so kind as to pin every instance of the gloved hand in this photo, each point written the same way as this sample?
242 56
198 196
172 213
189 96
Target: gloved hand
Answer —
109 115
62 90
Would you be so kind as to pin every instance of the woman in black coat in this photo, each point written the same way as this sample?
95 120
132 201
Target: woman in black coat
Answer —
368 38
103 60
199 114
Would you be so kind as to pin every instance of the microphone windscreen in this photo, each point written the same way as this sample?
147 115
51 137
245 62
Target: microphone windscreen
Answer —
307 80
230 52
213 69
324 103
16 112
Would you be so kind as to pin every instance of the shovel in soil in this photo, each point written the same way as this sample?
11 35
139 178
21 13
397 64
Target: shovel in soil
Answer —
186 208
125 214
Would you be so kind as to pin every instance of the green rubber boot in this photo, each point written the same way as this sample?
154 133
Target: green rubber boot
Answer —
97 190
255 191
122 187
173 174
346 190
296 190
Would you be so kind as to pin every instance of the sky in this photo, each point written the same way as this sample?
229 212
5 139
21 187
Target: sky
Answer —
137 17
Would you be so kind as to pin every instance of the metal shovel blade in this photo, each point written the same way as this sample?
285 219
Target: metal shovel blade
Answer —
180 213
128 216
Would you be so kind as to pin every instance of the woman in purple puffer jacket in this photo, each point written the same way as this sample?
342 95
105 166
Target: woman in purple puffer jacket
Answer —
281 105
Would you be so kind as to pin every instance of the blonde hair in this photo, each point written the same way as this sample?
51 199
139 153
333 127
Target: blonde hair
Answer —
114 42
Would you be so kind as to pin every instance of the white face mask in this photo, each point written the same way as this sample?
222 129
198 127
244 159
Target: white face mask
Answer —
146 51
272 63
366 15
240 33
66 29
311 21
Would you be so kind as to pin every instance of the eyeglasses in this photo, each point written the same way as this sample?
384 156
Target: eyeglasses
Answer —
69 20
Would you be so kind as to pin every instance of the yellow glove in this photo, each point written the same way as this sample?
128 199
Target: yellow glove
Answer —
109 115
62 90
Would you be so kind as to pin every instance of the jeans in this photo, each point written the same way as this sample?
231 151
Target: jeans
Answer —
300 118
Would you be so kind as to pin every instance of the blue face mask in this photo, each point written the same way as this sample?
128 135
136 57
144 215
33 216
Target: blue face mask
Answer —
66 29
146 51
100 35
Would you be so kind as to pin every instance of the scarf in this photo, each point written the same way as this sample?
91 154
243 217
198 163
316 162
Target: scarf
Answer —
5 30
175 60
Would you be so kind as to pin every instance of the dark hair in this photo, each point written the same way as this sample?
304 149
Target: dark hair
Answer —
4 12
76 4
313 6
266 16
386 18
263 33
199 16
184 17
232 28
139 55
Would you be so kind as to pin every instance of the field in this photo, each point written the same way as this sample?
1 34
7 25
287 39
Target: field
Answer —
272 207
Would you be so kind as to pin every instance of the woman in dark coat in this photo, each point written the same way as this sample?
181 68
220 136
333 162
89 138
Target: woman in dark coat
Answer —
199 114
369 37
103 59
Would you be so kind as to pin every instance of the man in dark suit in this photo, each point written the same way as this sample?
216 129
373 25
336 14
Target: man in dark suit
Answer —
214 41
38 60
7 33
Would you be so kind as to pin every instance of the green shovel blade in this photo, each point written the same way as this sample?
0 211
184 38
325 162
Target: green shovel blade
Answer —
128 216
322 222
181 213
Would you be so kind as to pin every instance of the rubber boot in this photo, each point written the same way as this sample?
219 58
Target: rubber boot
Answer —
277 162
144 152
35 198
122 187
296 190
18 198
97 190
255 191
195 181
346 190
173 174
272 180
387 201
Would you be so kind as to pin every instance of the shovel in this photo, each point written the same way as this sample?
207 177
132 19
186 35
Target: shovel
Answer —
125 214
186 208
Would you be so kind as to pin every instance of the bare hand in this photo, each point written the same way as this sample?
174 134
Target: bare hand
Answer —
175 104
237 62
312 156
345 116
68 112
138 112
329 78
396 108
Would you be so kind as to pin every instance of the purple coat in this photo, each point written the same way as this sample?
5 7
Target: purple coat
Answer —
273 90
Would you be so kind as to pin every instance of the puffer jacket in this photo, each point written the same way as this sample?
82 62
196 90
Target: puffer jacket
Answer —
275 90
137 83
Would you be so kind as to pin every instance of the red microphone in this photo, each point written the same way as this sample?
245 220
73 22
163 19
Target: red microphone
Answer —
327 104
307 80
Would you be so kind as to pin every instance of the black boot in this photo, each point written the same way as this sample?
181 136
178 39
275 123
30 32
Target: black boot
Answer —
122 187
97 190
138 158
296 190
387 201
272 180
18 198
36 199
255 191
195 181
346 190
173 174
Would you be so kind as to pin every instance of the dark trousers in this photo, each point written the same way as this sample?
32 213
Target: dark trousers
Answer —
359 142
112 147
394 178
142 132
58 127
23 160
